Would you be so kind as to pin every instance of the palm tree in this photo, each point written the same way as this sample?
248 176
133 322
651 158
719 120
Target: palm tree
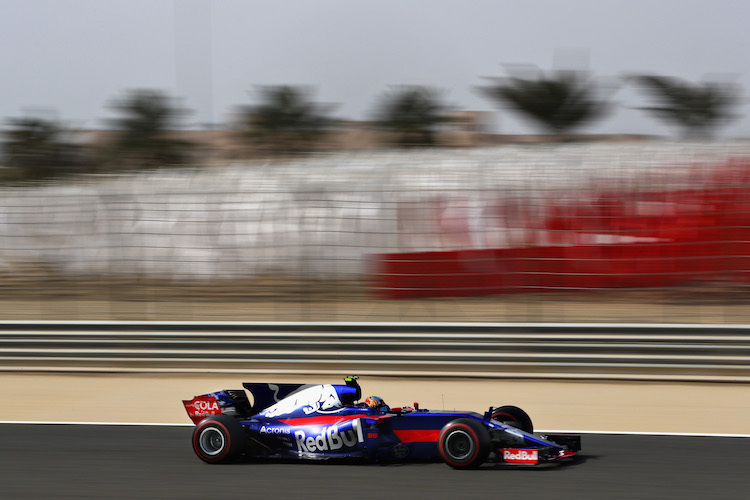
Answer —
413 114
286 120
35 148
143 138
558 103
697 109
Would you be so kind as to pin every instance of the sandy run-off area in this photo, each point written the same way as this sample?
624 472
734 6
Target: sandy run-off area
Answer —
565 405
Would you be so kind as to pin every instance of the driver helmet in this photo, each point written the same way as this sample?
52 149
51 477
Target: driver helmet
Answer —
374 402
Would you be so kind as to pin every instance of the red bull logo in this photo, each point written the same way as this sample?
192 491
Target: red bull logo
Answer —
520 456
330 438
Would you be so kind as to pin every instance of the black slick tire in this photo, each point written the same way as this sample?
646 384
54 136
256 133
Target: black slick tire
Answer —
464 443
218 439
514 416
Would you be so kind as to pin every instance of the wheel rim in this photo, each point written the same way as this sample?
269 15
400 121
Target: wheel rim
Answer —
211 441
459 445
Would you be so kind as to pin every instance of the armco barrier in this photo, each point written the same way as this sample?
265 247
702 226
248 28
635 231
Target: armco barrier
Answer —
586 351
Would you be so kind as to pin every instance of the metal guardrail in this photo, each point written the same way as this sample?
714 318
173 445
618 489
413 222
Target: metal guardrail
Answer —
509 350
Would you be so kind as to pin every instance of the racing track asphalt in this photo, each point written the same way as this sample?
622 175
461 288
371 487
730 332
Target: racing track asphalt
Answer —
84 461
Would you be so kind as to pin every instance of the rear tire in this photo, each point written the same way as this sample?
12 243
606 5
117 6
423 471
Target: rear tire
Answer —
514 416
464 443
218 439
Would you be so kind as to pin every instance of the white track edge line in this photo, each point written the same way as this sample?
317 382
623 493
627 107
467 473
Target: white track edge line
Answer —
542 431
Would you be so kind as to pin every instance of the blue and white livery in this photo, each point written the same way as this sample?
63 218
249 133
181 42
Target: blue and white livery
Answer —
318 422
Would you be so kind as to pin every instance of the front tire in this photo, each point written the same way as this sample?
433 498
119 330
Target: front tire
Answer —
515 417
218 439
464 443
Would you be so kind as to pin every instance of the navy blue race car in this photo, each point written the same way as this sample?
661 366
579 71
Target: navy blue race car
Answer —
314 422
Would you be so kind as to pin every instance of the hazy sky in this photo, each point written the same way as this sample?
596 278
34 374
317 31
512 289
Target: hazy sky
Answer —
75 56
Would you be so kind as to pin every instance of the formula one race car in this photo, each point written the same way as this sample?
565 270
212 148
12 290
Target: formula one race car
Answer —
314 422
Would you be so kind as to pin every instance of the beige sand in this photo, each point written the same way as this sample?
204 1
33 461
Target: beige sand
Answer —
565 405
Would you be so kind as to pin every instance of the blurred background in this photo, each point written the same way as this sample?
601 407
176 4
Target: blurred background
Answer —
238 161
